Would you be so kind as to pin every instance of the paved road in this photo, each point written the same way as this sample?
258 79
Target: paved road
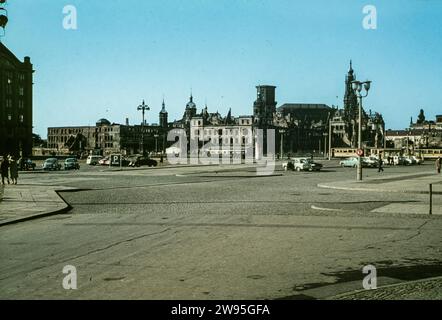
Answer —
216 233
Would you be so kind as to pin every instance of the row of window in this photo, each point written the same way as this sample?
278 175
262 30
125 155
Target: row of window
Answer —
231 140
21 118
10 77
21 90
21 103
221 132
243 122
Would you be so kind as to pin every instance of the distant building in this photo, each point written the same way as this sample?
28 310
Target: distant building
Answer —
15 104
107 138
306 126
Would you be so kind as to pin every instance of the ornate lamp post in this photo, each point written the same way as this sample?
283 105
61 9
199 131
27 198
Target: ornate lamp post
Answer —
357 87
143 108
3 16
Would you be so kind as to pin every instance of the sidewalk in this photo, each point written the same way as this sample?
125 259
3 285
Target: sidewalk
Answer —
404 183
25 202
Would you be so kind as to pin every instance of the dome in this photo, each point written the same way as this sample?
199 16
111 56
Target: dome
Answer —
103 122
191 104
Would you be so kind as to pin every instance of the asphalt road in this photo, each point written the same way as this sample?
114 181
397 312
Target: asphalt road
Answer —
214 233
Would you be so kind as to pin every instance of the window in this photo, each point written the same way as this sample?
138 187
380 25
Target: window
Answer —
21 118
21 91
8 103
9 117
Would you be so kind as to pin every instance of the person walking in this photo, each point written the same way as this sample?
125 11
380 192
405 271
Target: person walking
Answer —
4 167
438 164
380 162
13 170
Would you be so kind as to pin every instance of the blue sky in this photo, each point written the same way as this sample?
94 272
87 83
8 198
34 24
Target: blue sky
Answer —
128 50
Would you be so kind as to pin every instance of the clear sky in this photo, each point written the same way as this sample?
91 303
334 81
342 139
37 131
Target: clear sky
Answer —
128 50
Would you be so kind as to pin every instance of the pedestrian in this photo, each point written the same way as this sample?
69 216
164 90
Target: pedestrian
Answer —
380 162
438 164
4 168
13 170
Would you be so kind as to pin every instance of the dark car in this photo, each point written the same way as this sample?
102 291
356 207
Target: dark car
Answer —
142 161
51 164
71 163
314 166
27 164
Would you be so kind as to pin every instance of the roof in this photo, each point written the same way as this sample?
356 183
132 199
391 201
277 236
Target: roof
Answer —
303 106
416 132
11 58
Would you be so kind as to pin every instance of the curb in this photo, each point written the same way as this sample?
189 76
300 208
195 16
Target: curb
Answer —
349 294
64 210
375 190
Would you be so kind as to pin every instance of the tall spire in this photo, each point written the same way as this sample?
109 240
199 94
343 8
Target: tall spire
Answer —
350 71
163 106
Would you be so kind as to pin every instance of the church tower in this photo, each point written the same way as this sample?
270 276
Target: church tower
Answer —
265 106
190 110
163 116
350 107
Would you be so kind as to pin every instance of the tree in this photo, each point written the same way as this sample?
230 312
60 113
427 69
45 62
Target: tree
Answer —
37 141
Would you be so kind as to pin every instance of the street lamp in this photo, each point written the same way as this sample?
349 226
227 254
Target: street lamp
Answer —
143 107
281 132
357 88
156 142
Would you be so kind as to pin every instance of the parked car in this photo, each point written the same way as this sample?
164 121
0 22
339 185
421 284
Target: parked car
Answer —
104 161
297 164
349 162
371 162
51 164
27 164
142 161
409 161
353 162
398 160
93 160
418 160
71 163
314 166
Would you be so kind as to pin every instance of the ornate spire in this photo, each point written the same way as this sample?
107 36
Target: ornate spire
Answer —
163 106
350 71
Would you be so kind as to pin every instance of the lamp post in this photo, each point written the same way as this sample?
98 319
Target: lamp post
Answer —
143 107
281 132
357 88
156 142
329 139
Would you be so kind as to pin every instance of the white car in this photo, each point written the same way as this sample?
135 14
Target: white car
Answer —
297 164
418 160
409 161
93 160
371 161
